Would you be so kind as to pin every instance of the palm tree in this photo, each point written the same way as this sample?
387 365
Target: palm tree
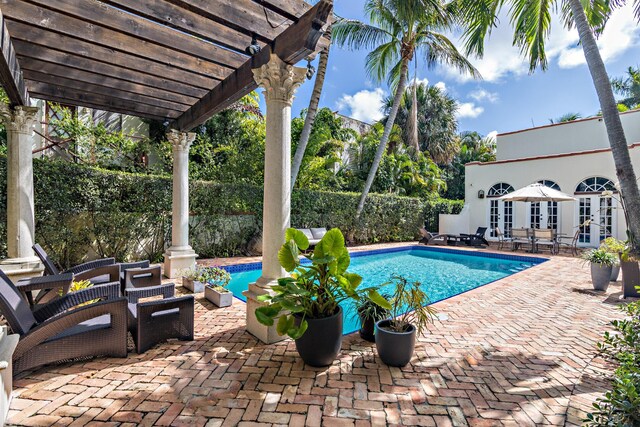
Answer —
436 125
397 30
531 21
311 113
567 117
628 87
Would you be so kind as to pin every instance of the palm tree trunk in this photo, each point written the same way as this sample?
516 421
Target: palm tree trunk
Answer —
615 132
412 126
385 135
311 115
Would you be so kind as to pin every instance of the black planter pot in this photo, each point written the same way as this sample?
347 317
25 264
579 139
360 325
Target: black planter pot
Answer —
367 329
320 344
395 348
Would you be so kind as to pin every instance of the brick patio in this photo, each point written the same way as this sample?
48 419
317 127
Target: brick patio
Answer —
516 352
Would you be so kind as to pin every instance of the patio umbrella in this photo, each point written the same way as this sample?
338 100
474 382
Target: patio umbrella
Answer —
537 193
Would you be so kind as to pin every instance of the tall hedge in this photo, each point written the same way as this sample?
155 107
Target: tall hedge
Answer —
83 212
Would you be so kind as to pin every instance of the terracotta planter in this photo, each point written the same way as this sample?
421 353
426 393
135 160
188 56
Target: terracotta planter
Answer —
630 278
600 276
193 285
219 299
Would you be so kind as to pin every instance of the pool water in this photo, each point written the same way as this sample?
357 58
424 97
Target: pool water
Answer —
443 273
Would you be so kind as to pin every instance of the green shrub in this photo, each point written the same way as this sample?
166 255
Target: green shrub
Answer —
83 212
621 405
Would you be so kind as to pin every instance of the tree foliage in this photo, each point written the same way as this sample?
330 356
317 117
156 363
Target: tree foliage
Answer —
473 148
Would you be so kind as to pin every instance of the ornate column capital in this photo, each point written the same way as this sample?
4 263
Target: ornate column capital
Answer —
18 119
279 79
181 141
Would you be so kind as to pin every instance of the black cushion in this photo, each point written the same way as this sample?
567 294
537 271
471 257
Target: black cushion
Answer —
14 308
97 323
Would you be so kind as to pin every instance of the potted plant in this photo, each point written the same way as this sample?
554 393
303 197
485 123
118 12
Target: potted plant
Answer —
215 289
630 266
601 263
369 313
192 279
616 248
410 314
307 304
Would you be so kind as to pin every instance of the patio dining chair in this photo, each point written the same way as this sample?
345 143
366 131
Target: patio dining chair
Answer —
58 333
502 239
519 238
569 243
545 237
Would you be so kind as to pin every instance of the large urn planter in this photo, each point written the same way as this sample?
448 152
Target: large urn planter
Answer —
218 296
395 348
321 343
615 272
630 278
600 276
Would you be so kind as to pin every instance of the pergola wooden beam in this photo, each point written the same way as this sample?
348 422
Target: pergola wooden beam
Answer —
34 38
10 73
295 43
53 21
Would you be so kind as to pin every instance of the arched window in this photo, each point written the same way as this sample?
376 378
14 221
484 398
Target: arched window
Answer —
550 184
499 189
595 185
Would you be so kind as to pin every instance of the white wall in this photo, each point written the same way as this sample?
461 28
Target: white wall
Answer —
571 137
567 171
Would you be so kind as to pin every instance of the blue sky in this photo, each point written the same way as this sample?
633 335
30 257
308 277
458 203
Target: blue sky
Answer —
508 98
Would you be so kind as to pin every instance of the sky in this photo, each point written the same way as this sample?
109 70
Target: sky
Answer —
508 98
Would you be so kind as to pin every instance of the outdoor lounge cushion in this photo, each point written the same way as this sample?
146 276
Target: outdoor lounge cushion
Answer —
318 233
100 322
306 232
313 239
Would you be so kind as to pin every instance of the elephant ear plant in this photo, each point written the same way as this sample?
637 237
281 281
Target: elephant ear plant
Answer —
307 304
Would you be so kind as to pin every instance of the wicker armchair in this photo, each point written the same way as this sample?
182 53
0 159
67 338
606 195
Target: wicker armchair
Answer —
152 322
103 270
46 288
98 329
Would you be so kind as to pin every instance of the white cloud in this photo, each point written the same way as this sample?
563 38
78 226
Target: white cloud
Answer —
492 135
484 95
365 105
468 110
501 58
442 86
424 81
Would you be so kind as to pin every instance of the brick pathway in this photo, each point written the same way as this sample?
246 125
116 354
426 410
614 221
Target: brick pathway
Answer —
516 352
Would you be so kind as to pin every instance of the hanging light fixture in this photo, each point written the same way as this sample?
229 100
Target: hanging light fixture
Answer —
311 70
254 47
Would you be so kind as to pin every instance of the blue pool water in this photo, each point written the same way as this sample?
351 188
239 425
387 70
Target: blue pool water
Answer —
443 272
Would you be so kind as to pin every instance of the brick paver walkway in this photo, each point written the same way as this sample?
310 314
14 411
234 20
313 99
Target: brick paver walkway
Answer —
515 352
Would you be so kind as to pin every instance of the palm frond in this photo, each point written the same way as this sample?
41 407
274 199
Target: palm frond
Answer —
478 18
438 49
381 60
358 35
531 20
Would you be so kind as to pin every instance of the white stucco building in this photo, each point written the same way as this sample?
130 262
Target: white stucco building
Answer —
573 157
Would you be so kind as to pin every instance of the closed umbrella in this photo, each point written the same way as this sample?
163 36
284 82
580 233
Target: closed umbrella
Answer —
537 193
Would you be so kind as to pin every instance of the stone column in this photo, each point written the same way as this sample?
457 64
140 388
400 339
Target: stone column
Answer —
19 122
180 255
280 81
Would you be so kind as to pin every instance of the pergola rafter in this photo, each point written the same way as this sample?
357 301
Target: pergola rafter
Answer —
179 61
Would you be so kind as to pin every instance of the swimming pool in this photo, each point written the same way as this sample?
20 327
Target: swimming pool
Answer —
443 272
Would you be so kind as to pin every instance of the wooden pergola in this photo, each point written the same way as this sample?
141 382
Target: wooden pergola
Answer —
178 61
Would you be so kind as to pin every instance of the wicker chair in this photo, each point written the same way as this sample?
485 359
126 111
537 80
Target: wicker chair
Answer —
55 334
103 270
152 322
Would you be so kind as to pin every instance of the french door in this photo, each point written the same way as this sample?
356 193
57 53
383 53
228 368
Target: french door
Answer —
543 215
596 219
501 216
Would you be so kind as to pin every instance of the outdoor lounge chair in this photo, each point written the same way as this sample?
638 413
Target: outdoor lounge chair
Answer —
476 239
313 234
55 333
103 270
151 322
